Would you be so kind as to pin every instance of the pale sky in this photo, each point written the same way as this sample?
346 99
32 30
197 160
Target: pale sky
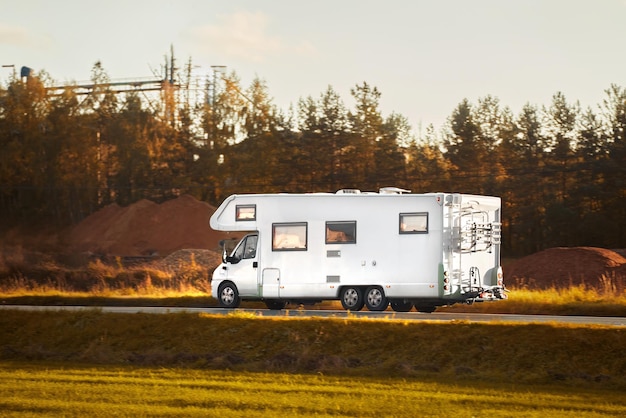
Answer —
425 57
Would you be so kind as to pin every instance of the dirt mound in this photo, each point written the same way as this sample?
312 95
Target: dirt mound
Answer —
562 267
184 259
147 228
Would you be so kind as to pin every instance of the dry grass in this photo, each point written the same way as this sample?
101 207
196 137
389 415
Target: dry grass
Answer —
610 286
608 298
178 280
22 275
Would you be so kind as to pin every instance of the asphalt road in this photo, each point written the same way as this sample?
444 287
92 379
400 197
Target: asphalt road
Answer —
387 315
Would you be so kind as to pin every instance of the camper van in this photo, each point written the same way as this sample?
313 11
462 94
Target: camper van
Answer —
365 249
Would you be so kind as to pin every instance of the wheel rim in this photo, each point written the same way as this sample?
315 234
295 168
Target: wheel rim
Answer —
228 295
351 297
375 298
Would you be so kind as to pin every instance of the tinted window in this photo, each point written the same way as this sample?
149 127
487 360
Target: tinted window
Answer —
341 232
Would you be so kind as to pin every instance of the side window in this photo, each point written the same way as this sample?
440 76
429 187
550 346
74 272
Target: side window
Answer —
343 232
414 223
250 247
247 248
289 236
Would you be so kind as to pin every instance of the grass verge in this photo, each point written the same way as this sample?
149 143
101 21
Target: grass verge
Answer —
572 301
73 390
499 352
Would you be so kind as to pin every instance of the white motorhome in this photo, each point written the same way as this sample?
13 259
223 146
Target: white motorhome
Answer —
364 249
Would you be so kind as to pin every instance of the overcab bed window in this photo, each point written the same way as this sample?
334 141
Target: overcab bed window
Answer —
341 232
414 223
245 213
289 236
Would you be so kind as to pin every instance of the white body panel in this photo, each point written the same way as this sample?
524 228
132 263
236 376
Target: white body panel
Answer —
437 264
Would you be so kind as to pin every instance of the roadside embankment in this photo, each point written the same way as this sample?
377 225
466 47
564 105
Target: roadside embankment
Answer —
546 353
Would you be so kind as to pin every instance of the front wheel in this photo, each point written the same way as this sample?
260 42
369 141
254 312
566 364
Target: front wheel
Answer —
228 295
375 299
352 298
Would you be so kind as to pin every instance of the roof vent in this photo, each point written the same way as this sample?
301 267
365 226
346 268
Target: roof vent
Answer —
348 191
392 190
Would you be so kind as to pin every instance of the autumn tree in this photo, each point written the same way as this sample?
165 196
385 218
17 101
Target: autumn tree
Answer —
613 169
324 160
73 146
427 168
366 123
268 145
464 148
389 154
589 195
25 165
495 124
221 119
560 122
526 204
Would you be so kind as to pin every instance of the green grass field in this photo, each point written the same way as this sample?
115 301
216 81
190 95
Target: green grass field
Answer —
72 390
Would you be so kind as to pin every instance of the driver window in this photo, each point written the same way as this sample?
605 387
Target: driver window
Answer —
247 249
250 250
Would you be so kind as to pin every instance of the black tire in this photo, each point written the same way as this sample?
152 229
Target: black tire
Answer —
275 305
352 298
228 295
401 305
425 308
375 299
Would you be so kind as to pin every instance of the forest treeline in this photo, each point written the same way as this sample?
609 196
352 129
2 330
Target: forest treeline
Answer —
559 168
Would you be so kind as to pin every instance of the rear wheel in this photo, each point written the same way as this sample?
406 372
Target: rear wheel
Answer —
228 295
275 305
352 298
426 308
401 305
375 299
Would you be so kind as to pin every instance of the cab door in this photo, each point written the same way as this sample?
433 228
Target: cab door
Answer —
243 266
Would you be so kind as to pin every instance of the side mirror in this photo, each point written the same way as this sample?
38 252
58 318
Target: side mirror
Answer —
222 245
231 260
